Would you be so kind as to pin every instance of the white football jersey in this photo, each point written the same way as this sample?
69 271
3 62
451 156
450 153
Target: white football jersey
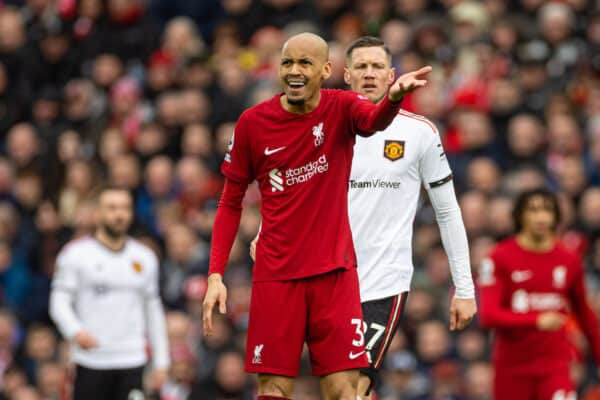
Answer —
110 291
387 172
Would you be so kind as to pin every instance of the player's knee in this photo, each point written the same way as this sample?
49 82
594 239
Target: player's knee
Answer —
341 392
276 386
341 387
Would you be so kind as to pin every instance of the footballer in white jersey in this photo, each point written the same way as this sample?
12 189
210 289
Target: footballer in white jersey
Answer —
105 299
388 170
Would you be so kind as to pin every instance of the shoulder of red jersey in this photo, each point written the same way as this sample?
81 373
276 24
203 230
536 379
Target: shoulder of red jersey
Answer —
347 94
264 106
569 254
504 247
419 119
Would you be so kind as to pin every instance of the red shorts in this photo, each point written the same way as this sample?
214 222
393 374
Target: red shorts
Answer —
324 311
556 385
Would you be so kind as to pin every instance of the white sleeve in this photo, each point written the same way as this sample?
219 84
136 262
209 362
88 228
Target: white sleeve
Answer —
155 320
64 285
433 164
437 177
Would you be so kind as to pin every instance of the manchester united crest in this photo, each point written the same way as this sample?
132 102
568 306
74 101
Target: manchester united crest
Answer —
393 149
137 267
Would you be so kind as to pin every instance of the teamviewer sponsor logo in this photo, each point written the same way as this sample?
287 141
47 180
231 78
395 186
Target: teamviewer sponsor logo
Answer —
374 184
276 180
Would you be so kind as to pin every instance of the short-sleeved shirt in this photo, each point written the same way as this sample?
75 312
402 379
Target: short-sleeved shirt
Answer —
388 171
302 165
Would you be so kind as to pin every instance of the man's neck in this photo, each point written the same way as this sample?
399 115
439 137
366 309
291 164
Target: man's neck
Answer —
304 108
538 244
111 242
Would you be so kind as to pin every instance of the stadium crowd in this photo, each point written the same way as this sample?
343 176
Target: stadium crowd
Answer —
145 93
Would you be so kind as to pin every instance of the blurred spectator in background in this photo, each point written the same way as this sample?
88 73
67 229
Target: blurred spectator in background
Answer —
186 256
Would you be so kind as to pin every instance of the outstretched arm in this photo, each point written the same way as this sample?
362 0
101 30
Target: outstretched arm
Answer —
368 118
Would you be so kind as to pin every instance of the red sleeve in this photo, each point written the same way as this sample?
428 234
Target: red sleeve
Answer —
227 222
585 316
492 282
368 118
237 165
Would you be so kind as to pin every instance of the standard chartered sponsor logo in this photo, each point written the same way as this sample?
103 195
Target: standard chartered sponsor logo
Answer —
374 184
293 176
276 180
523 301
307 171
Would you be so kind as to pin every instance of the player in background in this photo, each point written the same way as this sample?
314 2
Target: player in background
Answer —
105 299
299 146
527 286
388 171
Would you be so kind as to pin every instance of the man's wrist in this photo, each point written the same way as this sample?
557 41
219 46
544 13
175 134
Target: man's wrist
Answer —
215 277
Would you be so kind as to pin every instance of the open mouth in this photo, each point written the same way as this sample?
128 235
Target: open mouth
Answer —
369 86
296 85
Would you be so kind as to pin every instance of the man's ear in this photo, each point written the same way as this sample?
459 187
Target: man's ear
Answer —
346 75
326 72
392 76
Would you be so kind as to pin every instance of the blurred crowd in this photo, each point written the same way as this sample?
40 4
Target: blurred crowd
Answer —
145 93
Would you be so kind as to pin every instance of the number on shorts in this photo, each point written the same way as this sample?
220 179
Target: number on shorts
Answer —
361 336
379 330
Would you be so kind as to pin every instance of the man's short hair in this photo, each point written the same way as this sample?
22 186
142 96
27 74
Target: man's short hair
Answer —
367 41
523 200
109 187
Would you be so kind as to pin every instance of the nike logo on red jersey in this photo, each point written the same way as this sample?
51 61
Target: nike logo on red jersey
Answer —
521 276
269 152
354 356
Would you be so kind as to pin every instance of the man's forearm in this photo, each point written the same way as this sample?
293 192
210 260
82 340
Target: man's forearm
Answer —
377 118
454 238
227 222
157 333
499 318
62 313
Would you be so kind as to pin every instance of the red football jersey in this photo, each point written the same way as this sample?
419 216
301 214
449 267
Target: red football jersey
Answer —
515 286
302 164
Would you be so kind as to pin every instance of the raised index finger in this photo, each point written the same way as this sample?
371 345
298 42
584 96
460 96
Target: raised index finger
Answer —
422 71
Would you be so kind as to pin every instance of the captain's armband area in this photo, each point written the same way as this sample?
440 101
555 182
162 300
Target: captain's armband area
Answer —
440 182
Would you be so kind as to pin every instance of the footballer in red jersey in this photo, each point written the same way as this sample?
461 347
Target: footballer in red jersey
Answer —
528 286
299 147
